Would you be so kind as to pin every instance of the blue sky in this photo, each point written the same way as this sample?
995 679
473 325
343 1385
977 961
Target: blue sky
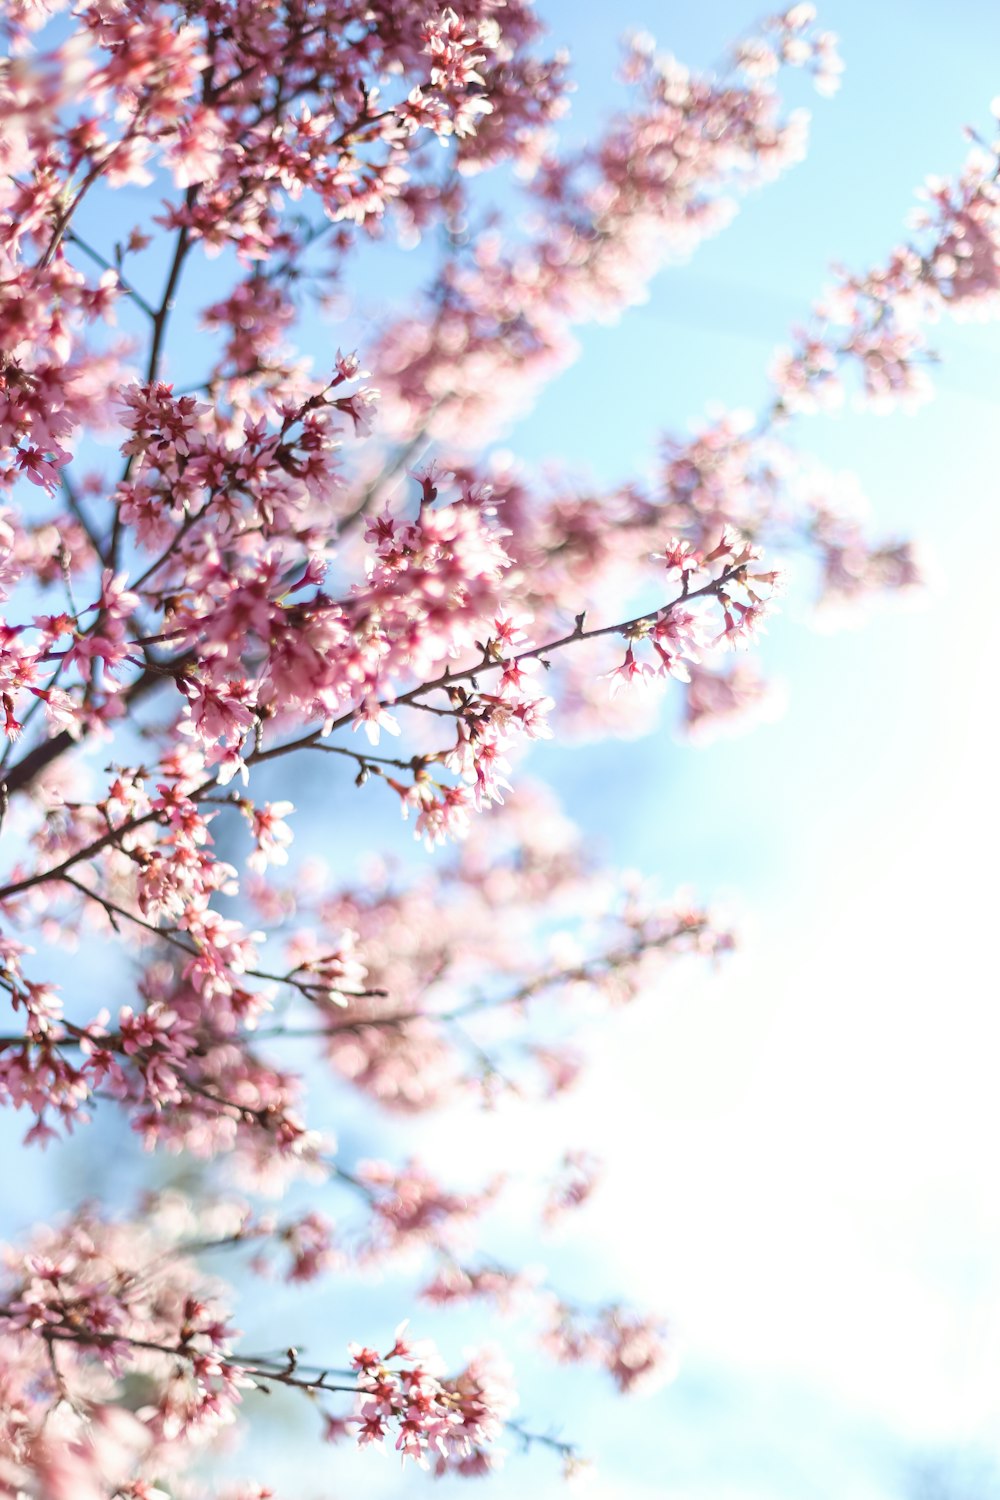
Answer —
802 1147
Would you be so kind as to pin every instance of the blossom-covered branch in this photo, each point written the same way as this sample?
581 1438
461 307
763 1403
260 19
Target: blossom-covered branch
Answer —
224 543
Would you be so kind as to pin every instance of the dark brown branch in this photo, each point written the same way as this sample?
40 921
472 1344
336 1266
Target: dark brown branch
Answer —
491 663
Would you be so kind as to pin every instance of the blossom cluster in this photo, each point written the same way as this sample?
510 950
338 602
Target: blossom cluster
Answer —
499 319
95 1307
872 326
635 1349
401 987
452 1423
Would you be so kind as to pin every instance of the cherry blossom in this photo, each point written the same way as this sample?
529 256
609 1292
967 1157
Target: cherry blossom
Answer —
220 559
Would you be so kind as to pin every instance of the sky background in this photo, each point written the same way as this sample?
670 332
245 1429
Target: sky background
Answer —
802 1147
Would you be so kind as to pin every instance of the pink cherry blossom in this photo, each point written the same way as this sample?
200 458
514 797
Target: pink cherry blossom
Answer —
219 560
